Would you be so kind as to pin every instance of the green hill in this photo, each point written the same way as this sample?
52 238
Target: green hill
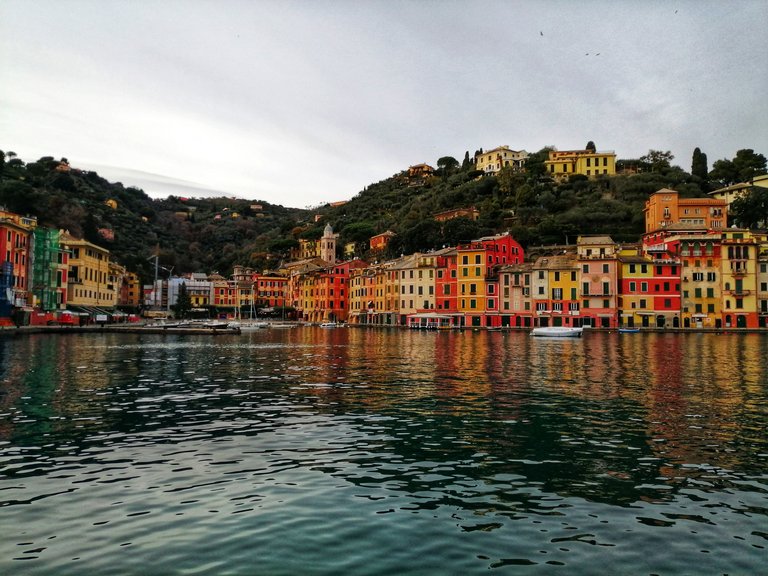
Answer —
213 234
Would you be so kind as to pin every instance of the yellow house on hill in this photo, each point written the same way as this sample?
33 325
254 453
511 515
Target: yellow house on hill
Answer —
566 163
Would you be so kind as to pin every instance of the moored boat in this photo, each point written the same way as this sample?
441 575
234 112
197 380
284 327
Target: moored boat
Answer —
557 331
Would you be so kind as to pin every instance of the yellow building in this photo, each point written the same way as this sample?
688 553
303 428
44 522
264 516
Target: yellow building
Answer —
471 280
494 160
89 282
739 261
555 290
562 164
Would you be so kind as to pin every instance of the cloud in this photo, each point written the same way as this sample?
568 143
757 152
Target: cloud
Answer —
300 103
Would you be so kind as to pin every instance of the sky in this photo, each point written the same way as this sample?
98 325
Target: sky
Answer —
300 103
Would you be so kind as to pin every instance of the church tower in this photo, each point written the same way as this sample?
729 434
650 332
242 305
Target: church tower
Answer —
328 245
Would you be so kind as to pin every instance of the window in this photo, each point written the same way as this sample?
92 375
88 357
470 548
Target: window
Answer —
585 268
585 288
606 288
632 286
605 268
643 286
557 276
541 274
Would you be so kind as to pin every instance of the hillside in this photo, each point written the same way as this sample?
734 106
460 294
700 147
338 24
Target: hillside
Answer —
213 234
189 234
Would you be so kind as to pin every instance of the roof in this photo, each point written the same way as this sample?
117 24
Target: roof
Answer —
594 240
558 261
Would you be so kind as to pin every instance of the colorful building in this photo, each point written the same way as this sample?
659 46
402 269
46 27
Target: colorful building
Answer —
89 281
555 290
665 208
16 234
590 163
492 161
598 260
49 271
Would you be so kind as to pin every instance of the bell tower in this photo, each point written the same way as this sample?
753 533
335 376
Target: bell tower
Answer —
328 245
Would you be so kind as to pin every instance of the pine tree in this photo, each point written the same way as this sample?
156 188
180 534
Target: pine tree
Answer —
699 164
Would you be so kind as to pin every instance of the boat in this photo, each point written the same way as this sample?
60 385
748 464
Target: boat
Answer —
328 325
249 326
557 332
628 330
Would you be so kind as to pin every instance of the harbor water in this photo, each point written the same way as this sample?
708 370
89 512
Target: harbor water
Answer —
375 452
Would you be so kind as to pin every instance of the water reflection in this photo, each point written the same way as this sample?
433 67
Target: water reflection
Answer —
470 432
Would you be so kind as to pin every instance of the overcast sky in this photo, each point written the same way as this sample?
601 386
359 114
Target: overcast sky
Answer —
302 103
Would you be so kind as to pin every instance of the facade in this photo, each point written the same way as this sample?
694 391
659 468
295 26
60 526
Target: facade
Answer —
49 271
90 281
665 208
130 291
16 235
492 161
598 260
555 290
380 242
590 163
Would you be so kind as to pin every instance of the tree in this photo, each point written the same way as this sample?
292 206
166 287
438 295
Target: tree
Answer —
183 302
748 164
658 160
591 147
699 164
744 166
534 164
750 209
447 165
467 163
460 230
725 172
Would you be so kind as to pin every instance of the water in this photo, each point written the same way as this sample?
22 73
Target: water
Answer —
354 451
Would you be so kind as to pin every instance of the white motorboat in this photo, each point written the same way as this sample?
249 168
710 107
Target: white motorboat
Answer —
557 332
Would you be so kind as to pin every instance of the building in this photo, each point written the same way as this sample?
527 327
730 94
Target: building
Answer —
16 238
739 253
471 213
515 298
590 163
492 161
130 291
90 283
555 290
665 208
49 271
380 242
598 260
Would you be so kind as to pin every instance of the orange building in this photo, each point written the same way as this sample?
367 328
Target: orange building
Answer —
665 208
381 241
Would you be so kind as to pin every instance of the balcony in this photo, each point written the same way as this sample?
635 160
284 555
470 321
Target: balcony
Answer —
739 293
